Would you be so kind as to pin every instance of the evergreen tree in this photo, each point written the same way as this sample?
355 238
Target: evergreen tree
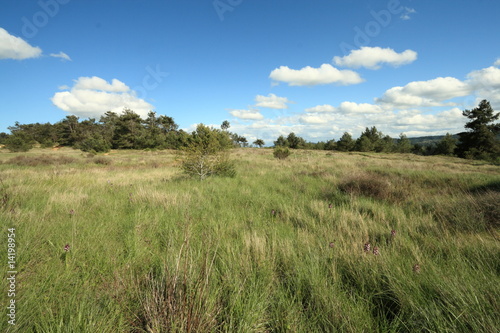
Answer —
19 141
129 132
281 142
370 140
345 143
109 122
225 125
481 140
68 130
364 144
446 146
295 142
330 145
403 145
259 143
387 144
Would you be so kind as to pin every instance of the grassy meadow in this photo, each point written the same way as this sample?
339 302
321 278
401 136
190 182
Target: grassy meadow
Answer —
278 248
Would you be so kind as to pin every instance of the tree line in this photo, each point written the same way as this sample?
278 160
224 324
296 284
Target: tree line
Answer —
129 131
479 141
372 140
112 131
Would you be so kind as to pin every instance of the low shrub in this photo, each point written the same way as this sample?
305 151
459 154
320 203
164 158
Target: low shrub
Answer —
281 153
40 160
369 185
102 160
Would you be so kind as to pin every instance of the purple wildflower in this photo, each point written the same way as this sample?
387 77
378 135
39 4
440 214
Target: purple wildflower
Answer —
367 247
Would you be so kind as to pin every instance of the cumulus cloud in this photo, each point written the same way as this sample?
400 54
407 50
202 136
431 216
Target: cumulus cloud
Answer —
314 119
309 76
486 83
374 57
361 108
419 108
12 47
271 101
425 93
497 62
321 108
247 114
93 96
489 77
445 120
61 55
96 83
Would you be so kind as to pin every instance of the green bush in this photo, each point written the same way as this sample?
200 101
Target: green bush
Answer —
95 144
101 160
281 152
206 154
18 142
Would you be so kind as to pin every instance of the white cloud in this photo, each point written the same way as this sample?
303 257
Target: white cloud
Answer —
445 120
314 119
93 96
425 93
331 125
320 108
247 114
486 77
272 101
96 83
419 108
309 76
497 62
486 84
12 47
61 55
406 14
361 108
373 57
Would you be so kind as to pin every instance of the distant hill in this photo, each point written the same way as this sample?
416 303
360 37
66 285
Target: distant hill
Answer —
428 140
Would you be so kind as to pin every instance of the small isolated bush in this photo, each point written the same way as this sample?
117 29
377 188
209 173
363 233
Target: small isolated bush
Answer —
281 153
101 160
207 154
40 160
369 185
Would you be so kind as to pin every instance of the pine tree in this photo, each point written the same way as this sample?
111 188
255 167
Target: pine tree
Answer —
345 143
404 145
480 141
259 142
447 145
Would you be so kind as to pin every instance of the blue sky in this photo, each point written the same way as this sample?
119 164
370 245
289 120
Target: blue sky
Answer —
316 68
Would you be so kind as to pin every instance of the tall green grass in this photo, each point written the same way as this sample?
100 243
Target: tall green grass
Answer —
278 248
